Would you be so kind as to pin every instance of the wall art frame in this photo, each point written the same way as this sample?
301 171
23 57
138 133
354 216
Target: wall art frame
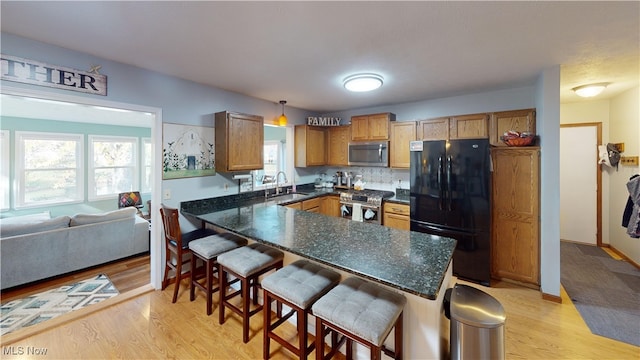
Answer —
187 151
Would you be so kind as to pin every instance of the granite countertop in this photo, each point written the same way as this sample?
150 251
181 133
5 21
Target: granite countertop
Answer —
408 261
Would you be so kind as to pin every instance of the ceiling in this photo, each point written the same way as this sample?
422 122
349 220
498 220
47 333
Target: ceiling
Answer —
301 51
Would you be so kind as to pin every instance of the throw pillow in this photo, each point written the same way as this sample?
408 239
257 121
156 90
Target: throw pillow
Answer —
86 219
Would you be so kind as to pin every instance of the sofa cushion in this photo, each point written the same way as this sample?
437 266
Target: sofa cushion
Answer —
85 219
59 222
26 219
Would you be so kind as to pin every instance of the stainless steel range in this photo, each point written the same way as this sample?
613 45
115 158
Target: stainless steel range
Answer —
363 205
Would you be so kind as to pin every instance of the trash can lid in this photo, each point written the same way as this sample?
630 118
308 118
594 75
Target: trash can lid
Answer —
474 307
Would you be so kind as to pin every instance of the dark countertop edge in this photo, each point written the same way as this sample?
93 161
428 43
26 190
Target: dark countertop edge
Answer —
257 197
346 269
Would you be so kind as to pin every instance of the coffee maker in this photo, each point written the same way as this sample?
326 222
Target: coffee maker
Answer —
339 178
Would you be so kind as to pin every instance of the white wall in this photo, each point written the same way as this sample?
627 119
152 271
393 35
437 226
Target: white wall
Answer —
625 128
620 118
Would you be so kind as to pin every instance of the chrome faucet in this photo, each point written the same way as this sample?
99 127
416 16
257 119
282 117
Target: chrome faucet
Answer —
278 182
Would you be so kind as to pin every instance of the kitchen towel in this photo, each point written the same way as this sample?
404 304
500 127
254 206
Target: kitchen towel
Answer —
357 212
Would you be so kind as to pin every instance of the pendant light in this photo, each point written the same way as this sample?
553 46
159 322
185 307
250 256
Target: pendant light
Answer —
282 120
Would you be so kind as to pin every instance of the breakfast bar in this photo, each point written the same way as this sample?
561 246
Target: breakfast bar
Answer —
416 264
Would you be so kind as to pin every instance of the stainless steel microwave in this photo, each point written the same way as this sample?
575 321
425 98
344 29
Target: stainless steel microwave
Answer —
369 153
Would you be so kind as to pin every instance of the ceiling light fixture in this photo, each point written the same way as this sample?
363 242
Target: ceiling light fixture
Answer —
362 82
590 90
282 120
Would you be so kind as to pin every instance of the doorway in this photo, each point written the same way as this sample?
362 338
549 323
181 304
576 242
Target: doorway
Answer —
580 183
87 110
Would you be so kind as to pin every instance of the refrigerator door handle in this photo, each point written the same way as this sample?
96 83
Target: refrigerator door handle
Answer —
449 170
440 230
440 184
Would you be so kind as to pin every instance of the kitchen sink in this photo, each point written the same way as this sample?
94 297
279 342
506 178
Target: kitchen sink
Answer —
286 198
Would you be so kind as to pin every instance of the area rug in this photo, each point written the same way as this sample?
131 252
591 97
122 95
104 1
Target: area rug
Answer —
47 305
605 291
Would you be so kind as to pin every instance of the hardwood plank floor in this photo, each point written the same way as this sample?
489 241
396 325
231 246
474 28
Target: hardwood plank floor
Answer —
148 326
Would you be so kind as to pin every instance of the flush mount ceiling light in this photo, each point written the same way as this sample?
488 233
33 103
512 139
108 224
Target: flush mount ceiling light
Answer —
590 90
282 120
362 82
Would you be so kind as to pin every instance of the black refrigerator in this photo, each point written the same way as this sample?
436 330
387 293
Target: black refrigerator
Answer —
450 196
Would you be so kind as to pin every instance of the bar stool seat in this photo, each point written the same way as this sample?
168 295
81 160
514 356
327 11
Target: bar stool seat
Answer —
246 264
207 249
363 312
297 285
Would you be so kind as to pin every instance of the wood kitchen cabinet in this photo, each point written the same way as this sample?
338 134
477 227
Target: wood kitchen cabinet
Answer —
433 129
338 145
473 126
310 146
402 133
239 141
311 205
516 120
330 205
516 214
372 127
396 216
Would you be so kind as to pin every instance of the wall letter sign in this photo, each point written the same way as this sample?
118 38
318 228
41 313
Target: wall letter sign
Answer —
323 121
38 73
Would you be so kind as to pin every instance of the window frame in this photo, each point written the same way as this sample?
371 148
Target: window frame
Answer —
146 188
91 168
20 167
5 169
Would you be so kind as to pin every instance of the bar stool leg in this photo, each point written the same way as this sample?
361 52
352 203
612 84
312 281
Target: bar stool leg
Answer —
246 310
223 293
302 333
266 342
209 285
319 339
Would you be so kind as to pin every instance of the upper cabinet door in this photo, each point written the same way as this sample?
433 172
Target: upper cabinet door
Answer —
516 120
338 145
469 127
402 133
310 146
360 128
433 129
372 127
239 141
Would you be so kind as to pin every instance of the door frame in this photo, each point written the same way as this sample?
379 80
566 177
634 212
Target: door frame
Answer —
598 126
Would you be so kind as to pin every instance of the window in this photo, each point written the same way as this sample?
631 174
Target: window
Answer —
147 168
113 167
273 162
4 168
48 168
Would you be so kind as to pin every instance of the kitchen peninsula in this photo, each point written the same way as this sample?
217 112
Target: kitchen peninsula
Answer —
416 264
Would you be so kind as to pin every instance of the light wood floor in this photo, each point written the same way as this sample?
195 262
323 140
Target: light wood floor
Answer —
148 326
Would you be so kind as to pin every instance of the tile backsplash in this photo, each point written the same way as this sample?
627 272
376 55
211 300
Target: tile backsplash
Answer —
376 177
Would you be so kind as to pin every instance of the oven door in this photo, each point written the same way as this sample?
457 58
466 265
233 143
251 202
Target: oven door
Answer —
367 213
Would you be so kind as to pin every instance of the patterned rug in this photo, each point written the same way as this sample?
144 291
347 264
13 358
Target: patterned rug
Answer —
41 307
605 291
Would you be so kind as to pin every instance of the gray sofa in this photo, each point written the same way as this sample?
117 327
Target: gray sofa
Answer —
38 248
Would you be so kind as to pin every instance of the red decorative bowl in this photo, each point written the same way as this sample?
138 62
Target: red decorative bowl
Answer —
519 141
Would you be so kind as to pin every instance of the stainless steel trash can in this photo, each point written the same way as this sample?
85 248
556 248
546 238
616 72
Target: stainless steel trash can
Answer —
477 324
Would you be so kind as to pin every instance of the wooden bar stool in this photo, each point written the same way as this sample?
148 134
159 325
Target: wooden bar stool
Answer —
362 312
247 264
207 249
298 286
177 253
